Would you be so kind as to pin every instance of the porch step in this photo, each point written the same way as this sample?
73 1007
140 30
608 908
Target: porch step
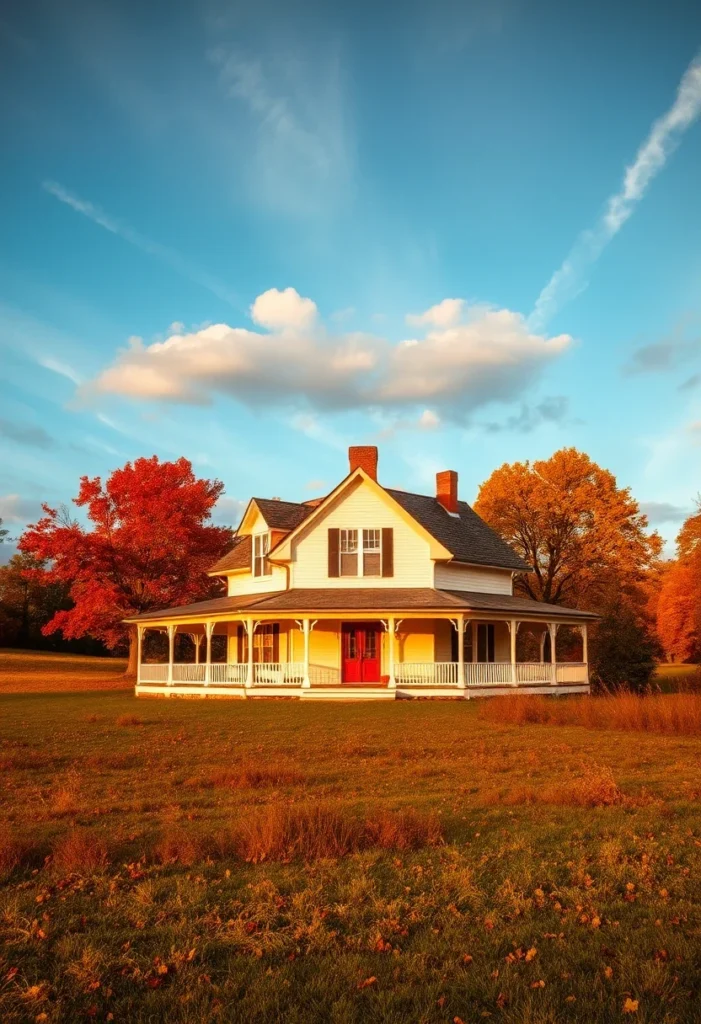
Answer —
363 691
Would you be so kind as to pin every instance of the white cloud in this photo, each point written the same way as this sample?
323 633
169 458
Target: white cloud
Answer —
61 368
228 511
444 314
490 356
278 310
659 512
429 420
664 136
170 257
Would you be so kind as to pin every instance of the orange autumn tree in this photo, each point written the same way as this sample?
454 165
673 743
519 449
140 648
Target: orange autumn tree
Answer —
584 536
679 601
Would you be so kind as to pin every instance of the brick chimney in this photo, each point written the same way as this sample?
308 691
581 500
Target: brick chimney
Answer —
447 489
363 457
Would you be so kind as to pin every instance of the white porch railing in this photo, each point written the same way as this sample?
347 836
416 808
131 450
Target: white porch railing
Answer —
427 673
227 674
407 674
188 673
488 673
153 673
534 672
279 674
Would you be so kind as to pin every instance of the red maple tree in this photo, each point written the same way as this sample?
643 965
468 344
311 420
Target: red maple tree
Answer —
148 545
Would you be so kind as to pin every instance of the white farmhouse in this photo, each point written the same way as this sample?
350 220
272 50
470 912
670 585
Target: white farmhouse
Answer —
368 593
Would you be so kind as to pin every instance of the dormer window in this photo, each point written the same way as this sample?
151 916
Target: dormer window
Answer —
261 547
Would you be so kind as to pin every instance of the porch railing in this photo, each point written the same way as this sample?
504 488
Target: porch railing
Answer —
408 674
488 673
227 674
427 673
153 673
278 674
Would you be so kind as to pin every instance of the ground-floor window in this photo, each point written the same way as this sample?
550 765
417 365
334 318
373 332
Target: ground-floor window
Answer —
266 644
485 641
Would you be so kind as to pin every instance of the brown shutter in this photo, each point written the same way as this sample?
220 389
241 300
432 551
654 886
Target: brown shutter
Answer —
387 551
333 551
276 642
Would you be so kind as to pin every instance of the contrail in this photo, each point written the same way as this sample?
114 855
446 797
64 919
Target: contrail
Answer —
160 252
663 138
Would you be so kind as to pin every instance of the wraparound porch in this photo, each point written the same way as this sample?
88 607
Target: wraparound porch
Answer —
349 657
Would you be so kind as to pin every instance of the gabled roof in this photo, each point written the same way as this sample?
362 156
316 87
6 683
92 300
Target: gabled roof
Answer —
465 535
282 515
380 601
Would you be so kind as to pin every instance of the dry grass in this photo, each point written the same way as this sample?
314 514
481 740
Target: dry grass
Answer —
677 714
322 831
12 852
176 846
594 786
127 720
79 852
250 775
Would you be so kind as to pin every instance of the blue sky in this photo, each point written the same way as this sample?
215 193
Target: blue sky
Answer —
255 234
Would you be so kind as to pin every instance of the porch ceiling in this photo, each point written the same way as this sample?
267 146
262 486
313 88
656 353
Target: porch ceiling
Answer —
361 599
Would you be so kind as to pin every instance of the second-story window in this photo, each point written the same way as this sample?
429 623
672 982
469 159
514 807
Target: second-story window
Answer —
348 553
261 546
372 553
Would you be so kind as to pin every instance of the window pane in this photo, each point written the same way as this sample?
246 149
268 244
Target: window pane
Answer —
349 541
371 564
371 540
349 564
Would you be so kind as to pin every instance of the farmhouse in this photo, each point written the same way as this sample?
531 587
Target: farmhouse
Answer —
367 593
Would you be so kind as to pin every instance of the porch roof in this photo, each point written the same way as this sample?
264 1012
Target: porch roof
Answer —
377 600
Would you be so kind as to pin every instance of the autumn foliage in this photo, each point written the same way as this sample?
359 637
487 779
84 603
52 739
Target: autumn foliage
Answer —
679 601
584 536
147 544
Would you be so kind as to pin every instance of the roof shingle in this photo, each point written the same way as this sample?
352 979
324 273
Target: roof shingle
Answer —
379 600
465 535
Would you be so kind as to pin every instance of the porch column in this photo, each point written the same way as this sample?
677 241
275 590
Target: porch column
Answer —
306 630
139 643
585 649
208 630
553 652
391 627
250 630
461 651
513 629
171 652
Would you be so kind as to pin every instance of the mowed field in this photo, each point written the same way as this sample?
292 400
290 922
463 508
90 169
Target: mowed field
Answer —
46 671
186 860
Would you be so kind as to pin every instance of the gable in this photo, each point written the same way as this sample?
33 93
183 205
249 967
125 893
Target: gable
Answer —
361 505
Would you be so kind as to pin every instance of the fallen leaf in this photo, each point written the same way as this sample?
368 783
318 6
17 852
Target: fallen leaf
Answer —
631 1005
538 984
532 952
367 982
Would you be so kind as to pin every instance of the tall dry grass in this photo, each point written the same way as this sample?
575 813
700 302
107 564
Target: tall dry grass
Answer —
677 714
284 832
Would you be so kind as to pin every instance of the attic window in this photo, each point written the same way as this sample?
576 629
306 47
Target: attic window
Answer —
261 546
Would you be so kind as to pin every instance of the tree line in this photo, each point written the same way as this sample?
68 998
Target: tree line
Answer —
147 541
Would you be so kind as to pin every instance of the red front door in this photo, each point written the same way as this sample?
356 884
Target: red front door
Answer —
361 652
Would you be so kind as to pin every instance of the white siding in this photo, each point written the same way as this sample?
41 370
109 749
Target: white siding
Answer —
247 583
358 508
482 581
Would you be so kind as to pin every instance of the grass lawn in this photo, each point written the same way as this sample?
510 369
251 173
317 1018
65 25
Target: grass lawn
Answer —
42 671
523 874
